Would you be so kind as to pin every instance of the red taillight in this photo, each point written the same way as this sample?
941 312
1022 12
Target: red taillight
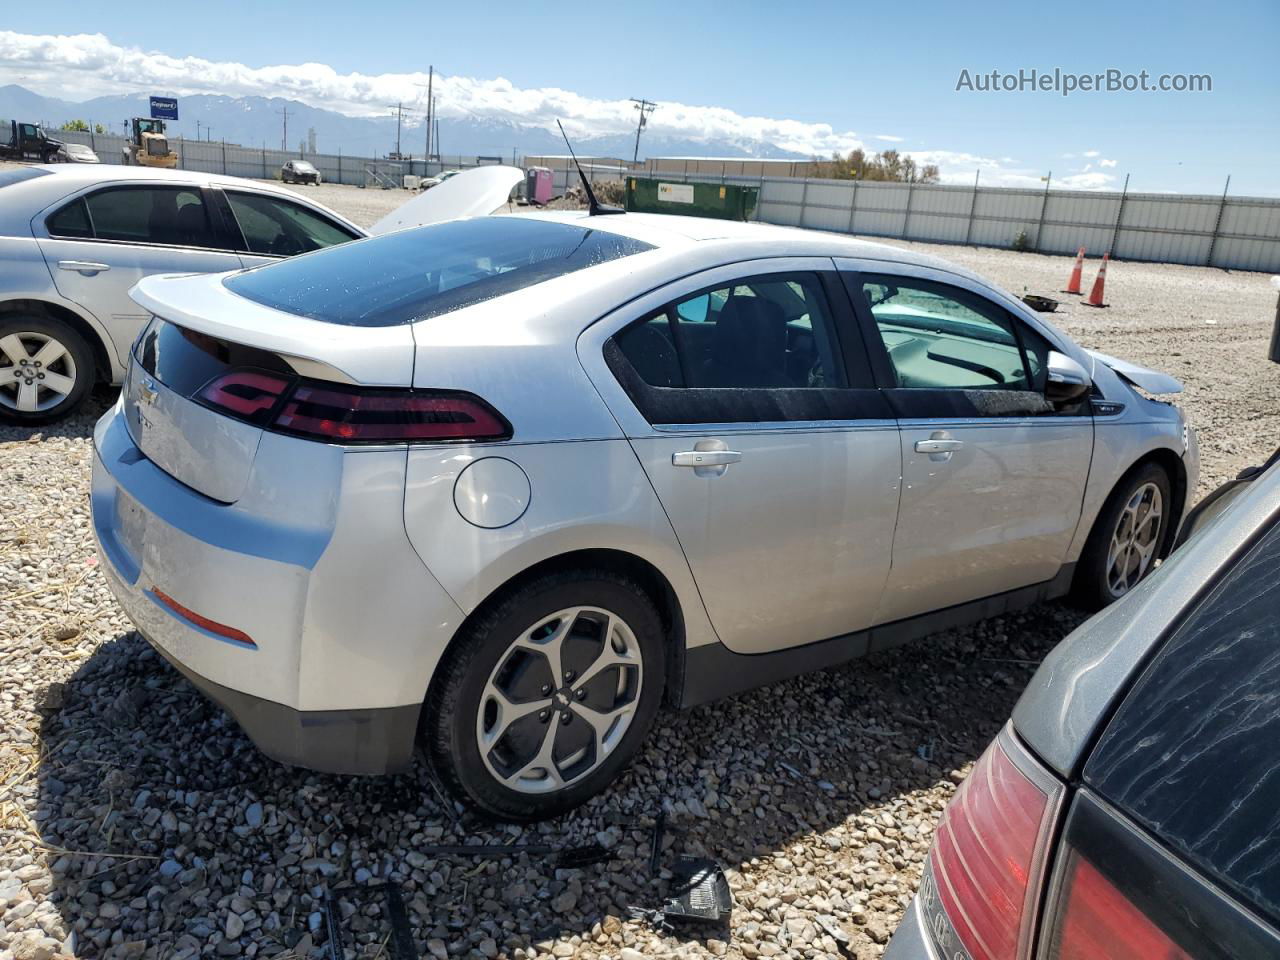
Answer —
337 413
1097 920
204 623
986 862
341 414
249 394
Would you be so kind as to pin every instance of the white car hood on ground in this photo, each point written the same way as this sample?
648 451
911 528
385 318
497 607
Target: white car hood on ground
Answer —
1152 381
472 193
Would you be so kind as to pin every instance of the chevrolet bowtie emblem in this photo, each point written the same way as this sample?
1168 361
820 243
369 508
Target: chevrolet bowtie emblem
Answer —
147 392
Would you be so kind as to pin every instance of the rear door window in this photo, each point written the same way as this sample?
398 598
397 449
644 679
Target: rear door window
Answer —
771 332
170 216
71 221
276 227
1193 753
772 348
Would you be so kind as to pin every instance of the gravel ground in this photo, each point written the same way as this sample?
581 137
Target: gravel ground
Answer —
136 820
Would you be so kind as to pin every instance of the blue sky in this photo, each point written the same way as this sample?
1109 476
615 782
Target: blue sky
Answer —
863 73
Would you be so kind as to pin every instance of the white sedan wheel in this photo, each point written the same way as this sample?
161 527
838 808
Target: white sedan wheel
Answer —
37 372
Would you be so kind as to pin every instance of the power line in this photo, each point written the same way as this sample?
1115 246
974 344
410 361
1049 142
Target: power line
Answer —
400 110
645 107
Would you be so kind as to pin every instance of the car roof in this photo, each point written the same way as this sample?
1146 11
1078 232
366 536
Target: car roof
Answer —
1083 678
653 227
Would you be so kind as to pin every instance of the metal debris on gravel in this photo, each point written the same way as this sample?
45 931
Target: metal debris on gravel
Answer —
136 820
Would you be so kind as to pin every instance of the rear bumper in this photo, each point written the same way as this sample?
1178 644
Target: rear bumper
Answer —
373 741
312 565
910 941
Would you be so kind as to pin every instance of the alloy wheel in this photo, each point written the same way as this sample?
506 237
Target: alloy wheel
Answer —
37 372
560 700
1135 539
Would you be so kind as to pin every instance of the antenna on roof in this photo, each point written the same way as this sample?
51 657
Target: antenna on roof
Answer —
594 207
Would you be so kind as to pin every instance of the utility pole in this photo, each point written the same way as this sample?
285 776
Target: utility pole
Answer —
197 129
431 100
284 132
399 116
645 107
431 103
208 133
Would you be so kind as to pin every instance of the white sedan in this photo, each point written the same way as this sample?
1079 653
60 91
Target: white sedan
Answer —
75 239
507 485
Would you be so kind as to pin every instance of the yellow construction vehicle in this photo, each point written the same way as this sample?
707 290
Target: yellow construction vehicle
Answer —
148 146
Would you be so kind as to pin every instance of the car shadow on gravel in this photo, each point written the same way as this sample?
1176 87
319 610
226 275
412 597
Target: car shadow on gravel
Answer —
79 424
167 834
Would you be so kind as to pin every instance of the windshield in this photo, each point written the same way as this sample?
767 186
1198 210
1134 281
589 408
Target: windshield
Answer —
428 271
303 167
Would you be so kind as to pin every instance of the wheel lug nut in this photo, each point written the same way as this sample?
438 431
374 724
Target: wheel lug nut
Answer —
569 674
566 717
39 376
543 715
582 694
546 689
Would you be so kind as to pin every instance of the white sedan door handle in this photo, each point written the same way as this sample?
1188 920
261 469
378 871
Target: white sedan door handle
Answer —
938 445
86 268
705 458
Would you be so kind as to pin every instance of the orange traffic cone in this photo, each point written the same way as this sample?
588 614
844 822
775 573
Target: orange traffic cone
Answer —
1095 295
1073 285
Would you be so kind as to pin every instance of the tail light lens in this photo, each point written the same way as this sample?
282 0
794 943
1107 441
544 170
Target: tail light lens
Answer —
1097 920
337 413
246 394
987 864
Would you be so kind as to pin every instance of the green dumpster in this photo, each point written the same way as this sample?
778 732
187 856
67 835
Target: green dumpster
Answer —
723 201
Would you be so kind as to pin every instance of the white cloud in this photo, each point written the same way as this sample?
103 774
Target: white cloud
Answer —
1088 181
87 65
1107 163
1091 153
81 66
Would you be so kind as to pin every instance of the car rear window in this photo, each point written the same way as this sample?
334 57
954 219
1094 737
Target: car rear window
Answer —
8 177
1191 753
428 271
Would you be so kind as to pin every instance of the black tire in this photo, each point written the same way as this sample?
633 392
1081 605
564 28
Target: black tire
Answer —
1091 588
449 720
82 364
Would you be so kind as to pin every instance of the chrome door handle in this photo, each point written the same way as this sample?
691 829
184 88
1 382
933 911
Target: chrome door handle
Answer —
85 267
705 458
938 446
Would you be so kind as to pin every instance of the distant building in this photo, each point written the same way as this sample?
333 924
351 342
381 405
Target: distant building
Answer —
730 167
598 166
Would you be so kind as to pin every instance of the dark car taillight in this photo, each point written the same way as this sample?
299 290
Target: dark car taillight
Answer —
246 394
338 413
1094 919
985 871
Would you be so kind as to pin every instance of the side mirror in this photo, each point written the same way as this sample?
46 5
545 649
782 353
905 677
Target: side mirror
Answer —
1067 381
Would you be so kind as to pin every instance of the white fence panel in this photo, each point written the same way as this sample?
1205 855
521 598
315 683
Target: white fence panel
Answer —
1241 233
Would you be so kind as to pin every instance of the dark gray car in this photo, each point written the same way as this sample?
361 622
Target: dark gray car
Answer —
1131 807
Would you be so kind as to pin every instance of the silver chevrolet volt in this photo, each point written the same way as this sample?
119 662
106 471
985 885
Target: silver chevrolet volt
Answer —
503 487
